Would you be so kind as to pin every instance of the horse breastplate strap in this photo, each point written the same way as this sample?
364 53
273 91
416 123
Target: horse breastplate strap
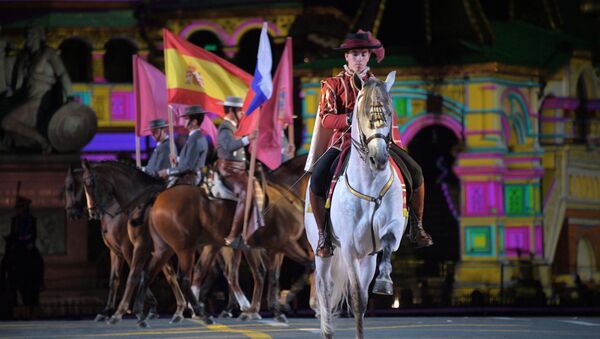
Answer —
376 200
369 198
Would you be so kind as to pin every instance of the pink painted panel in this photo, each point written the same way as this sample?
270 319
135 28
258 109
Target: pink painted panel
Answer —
476 198
517 238
122 108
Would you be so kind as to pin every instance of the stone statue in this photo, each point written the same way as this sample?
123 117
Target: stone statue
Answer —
5 67
41 86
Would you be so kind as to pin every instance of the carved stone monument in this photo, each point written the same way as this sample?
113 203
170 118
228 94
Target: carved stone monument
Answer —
38 112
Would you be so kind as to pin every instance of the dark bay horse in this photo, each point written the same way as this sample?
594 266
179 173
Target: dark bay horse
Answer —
126 244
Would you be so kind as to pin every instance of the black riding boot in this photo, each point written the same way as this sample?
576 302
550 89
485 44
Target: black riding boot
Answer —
324 246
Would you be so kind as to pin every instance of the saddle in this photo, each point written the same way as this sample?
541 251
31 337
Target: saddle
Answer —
397 164
216 188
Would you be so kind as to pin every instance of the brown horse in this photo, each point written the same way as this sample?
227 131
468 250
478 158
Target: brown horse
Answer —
128 243
282 236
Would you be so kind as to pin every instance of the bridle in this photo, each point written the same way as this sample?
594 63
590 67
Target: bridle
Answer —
92 204
377 119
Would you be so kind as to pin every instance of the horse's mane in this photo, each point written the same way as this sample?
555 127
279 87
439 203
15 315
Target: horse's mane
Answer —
128 168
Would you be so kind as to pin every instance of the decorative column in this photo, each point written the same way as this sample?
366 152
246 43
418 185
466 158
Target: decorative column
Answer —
98 65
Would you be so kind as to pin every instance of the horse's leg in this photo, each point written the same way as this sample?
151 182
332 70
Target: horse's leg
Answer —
383 284
225 266
232 259
360 274
141 253
204 276
186 266
295 252
116 264
253 257
274 270
323 286
171 277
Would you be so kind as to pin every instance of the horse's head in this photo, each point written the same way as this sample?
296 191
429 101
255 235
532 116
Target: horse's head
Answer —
372 120
73 193
97 194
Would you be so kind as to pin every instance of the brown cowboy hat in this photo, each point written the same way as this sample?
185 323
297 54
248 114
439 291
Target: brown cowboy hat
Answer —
362 40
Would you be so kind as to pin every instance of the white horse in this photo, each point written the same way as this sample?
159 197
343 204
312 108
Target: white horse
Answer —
366 212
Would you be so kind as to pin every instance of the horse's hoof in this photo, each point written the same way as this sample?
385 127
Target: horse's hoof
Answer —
100 318
176 319
281 318
143 324
383 287
225 315
114 320
152 315
246 316
209 320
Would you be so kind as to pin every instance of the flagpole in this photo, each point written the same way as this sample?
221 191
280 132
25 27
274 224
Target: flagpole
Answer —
250 185
172 149
138 152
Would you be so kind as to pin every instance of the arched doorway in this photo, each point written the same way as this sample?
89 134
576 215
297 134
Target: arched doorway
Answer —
76 55
434 148
207 40
117 60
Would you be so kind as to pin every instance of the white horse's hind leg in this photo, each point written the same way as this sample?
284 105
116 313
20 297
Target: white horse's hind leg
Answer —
323 286
384 285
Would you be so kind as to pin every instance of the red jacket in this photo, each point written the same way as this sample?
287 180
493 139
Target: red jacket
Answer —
338 97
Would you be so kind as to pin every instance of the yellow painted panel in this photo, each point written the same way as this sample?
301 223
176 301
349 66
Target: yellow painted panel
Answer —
418 106
101 104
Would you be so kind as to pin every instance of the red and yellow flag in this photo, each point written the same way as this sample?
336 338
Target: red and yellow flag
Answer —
198 77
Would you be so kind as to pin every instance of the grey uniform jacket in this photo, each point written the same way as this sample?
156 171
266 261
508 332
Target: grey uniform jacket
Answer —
159 160
193 155
230 148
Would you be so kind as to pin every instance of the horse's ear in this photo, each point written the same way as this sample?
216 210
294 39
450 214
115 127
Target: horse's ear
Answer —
389 81
70 170
358 82
85 164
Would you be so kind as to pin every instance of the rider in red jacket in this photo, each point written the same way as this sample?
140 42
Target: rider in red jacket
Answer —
338 97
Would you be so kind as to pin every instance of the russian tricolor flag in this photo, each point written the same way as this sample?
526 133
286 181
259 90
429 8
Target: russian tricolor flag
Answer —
262 84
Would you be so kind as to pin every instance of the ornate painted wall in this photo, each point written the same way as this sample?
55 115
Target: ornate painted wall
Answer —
514 192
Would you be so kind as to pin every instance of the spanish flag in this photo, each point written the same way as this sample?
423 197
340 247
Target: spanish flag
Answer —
198 77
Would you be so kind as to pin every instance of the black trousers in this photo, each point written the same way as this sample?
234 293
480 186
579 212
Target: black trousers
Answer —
323 172
414 169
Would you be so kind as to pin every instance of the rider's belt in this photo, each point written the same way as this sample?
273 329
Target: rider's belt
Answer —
231 167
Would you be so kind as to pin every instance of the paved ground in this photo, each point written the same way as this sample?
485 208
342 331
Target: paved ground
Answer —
400 327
